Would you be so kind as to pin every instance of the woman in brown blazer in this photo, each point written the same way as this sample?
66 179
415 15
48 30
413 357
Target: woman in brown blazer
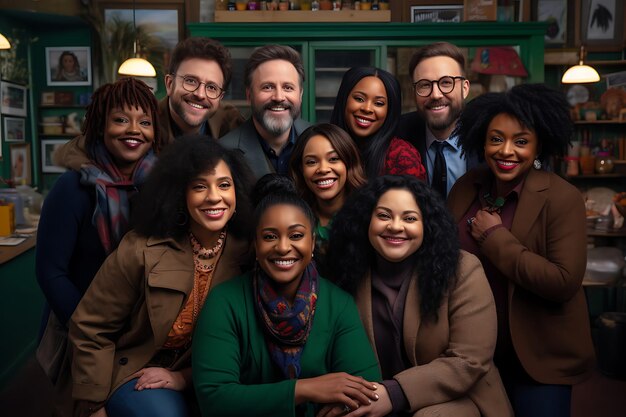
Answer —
426 305
527 226
131 333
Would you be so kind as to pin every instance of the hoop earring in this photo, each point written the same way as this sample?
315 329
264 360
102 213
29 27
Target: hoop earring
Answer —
537 164
181 217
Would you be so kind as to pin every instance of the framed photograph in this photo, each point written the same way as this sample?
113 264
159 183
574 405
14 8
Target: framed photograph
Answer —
14 129
20 163
437 14
68 65
602 24
480 10
48 146
13 99
553 12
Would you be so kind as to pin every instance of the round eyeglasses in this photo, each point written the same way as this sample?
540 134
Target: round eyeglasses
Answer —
424 88
191 84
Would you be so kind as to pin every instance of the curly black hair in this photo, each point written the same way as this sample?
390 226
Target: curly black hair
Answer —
351 254
374 148
536 106
157 211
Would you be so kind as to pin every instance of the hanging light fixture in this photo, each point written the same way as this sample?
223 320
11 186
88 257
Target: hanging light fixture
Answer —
581 73
4 42
137 67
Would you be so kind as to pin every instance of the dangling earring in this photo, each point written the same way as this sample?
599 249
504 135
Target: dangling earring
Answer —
181 217
537 164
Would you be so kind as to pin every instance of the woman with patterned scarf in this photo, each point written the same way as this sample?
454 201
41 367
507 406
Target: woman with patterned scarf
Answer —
86 213
281 340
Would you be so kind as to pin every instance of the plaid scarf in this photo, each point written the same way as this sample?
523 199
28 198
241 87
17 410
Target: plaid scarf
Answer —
112 213
287 326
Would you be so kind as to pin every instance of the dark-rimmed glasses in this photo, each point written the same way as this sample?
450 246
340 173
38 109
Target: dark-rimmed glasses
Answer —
424 88
191 84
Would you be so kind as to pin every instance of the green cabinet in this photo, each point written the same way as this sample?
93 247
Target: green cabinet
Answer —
329 49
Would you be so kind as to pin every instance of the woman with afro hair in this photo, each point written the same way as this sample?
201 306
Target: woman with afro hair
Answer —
527 226
426 305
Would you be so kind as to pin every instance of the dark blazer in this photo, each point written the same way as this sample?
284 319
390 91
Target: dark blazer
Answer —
130 307
245 138
544 255
412 128
452 371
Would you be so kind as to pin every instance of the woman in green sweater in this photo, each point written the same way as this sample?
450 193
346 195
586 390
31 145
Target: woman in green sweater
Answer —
280 340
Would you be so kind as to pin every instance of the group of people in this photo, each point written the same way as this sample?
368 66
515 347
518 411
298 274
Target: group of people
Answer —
424 264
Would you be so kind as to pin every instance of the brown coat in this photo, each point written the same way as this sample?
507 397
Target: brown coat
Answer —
452 358
127 312
544 256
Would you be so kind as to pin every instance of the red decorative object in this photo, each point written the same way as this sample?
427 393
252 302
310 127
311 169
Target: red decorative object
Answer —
498 60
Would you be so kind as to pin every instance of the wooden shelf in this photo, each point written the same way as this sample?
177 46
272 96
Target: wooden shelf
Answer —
222 16
595 177
61 106
600 122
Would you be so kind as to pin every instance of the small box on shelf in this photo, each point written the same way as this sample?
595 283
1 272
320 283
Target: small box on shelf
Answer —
57 98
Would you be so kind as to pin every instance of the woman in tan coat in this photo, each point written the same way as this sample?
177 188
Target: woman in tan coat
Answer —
527 226
426 305
131 333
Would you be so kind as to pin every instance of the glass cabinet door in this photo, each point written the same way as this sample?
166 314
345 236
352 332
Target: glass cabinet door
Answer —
329 63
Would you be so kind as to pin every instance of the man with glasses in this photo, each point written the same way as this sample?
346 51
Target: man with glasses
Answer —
199 72
273 77
439 88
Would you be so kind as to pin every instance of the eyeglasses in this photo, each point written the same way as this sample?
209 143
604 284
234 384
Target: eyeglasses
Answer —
424 88
191 84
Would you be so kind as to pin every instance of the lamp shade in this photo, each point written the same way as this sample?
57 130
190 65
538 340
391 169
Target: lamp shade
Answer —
579 74
137 67
4 42
498 60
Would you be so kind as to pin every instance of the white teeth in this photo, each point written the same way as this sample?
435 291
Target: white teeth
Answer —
437 107
285 263
363 121
507 163
325 182
133 141
214 212
197 106
277 108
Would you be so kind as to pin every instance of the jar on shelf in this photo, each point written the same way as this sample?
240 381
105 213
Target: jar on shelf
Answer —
221 5
604 163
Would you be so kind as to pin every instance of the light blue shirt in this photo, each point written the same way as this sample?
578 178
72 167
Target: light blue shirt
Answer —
455 163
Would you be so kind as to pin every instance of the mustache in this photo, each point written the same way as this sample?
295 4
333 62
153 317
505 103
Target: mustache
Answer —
438 102
285 104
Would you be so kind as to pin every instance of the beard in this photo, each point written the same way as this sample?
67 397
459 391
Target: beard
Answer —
178 108
274 124
438 123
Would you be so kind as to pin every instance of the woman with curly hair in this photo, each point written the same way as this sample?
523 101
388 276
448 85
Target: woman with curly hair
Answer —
425 304
326 168
87 212
131 334
281 340
368 107
527 226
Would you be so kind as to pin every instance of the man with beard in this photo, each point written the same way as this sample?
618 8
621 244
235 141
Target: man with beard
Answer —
273 78
199 72
440 88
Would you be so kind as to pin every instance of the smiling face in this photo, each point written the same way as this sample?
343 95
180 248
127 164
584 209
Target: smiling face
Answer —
366 107
128 135
510 149
323 171
69 64
396 230
284 246
275 96
191 110
440 111
211 203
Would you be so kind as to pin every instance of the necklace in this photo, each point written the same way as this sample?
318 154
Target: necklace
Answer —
201 255
494 205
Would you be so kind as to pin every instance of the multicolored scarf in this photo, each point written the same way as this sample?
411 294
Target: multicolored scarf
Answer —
287 327
112 213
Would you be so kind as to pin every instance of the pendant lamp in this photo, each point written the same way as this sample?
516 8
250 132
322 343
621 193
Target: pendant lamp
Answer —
581 73
4 42
136 67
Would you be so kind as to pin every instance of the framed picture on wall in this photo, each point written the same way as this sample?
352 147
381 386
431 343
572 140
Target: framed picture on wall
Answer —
68 65
20 163
14 129
602 24
12 99
437 14
480 10
554 13
48 146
